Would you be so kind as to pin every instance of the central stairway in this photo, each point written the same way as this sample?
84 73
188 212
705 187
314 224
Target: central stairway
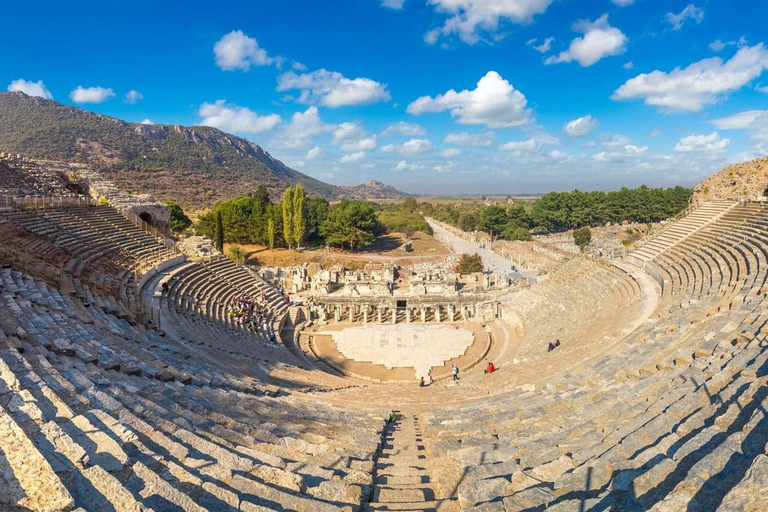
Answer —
402 477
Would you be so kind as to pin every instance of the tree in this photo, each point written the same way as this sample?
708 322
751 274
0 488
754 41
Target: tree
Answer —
237 254
469 263
179 220
410 204
271 233
219 240
350 222
299 214
288 216
582 237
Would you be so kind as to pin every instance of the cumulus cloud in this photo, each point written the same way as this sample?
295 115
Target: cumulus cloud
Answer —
717 45
147 121
353 157
91 94
623 3
403 165
403 128
450 152
600 40
613 141
30 88
469 18
758 133
238 51
619 155
352 137
133 96
521 145
699 84
702 143
544 47
691 12
235 119
580 127
480 140
332 89
315 152
411 147
393 4
739 121
298 133
494 103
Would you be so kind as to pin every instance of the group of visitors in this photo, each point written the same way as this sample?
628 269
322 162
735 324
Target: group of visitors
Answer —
251 314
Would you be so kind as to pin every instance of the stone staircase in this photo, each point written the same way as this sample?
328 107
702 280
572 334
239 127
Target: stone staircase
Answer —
402 471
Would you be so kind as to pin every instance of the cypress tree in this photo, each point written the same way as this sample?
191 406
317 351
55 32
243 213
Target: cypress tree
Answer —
219 233
271 233
299 214
288 216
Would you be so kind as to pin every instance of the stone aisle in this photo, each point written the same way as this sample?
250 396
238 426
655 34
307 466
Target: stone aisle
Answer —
401 475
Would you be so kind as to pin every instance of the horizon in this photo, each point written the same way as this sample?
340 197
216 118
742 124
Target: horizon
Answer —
527 97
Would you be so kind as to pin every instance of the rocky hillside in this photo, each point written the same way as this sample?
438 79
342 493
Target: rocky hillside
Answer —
196 166
372 190
745 180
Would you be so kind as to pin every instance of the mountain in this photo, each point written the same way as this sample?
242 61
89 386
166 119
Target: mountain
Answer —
195 166
372 190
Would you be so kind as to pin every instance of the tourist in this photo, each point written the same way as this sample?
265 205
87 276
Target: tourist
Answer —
421 382
490 368
553 346
455 373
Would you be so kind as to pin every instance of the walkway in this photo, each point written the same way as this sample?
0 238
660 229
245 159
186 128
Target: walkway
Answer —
458 245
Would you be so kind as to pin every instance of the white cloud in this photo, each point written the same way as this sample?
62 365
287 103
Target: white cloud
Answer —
655 133
494 103
30 88
543 47
468 18
628 65
760 88
332 89
580 127
480 140
91 94
301 129
238 51
717 45
690 12
758 133
315 152
704 143
699 84
522 145
402 165
450 152
619 155
403 128
613 141
352 137
411 147
147 121
739 121
133 96
393 4
235 119
623 3
600 40
353 157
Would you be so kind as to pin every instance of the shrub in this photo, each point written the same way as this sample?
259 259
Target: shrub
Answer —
469 263
582 237
237 254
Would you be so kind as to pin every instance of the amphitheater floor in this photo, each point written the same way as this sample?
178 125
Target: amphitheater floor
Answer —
402 352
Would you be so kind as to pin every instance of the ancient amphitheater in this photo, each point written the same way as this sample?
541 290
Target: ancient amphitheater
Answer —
127 384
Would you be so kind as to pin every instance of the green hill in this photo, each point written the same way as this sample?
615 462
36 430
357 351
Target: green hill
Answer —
195 166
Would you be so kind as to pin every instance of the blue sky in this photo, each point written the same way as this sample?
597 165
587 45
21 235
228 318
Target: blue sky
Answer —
436 96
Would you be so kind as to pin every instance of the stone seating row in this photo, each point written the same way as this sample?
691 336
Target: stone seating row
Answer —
99 436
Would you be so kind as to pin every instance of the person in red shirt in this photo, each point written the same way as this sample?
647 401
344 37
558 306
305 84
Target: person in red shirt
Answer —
490 368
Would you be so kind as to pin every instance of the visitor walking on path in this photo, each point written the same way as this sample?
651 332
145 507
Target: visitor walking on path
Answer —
455 373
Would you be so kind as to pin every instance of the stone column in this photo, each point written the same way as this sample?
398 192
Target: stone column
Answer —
365 315
352 314
452 312
336 314
423 315
378 310
407 315
394 315
437 314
